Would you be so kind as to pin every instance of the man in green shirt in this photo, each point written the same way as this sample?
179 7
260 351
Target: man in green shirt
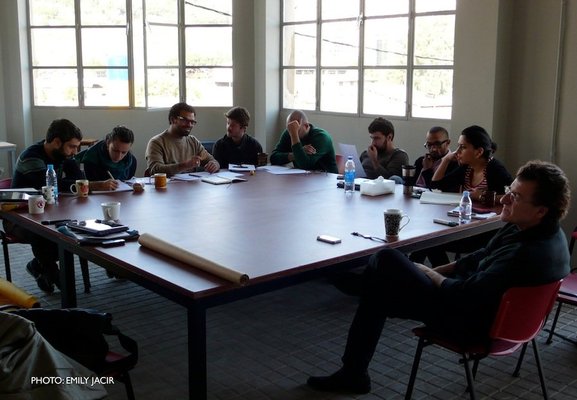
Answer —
305 145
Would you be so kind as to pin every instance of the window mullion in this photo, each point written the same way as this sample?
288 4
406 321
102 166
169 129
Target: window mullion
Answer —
319 61
79 59
181 51
410 59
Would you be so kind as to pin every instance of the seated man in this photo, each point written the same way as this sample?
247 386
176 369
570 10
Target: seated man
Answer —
175 150
305 145
382 158
437 144
61 144
109 156
236 147
461 298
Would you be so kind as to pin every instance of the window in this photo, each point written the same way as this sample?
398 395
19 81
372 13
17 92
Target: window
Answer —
369 57
131 53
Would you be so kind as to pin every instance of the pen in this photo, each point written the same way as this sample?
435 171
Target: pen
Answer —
110 175
445 222
239 166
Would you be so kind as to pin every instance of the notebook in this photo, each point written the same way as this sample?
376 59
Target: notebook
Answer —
13 196
347 150
221 180
96 227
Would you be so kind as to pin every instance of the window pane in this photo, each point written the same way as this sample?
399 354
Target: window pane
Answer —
299 89
209 86
435 5
434 40
380 7
52 12
432 93
103 12
96 55
299 10
209 46
339 90
53 47
208 12
386 41
343 9
299 45
162 87
162 46
162 11
385 92
106 87
55 87
340 44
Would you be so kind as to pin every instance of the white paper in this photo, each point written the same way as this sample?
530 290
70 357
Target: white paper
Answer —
440 198
222 174
185 177
280 170
122 187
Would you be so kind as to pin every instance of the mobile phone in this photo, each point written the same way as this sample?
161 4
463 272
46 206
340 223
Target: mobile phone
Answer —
113 243
328 239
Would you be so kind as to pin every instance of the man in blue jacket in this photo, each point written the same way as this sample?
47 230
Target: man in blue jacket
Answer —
461 298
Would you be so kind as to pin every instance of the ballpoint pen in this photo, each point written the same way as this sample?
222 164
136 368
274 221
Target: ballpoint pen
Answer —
110 175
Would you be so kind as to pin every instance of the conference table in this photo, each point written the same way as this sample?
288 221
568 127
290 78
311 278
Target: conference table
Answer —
266 227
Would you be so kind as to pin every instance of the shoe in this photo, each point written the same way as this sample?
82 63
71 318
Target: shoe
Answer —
42 280
342 381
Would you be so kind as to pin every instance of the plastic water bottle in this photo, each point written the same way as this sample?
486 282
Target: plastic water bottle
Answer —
52 180
465 208
349 176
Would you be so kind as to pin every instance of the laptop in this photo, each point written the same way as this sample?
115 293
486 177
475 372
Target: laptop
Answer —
346 150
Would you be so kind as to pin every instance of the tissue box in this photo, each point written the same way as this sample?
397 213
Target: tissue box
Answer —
377 187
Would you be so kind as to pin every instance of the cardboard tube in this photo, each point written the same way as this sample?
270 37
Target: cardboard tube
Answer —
168 249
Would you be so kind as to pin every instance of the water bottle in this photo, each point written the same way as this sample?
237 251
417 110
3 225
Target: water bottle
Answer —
52 180
350 175
465 208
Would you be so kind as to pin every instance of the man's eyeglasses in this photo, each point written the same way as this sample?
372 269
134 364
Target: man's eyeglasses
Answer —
186 120
515 196
373 238
430 145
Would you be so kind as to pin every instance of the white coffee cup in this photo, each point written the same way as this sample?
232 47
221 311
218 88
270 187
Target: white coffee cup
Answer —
36 204
111 210
48 193
393 218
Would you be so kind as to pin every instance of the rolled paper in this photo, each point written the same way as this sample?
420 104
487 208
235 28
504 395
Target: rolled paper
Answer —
11 294
178 253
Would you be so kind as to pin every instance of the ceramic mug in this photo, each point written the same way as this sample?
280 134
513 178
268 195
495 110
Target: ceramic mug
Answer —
393 218
80 188
111 210
36 204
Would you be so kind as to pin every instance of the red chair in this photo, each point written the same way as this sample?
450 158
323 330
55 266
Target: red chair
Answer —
9 239
520 317
567 294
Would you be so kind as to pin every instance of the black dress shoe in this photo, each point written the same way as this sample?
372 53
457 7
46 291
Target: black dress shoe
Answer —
342 381
42 280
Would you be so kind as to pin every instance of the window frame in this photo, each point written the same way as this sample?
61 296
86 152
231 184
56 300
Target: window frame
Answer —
142 99
410 67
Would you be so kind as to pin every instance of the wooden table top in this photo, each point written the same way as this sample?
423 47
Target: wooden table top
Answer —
265 227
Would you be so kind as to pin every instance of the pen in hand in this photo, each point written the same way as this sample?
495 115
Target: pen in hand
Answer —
110 175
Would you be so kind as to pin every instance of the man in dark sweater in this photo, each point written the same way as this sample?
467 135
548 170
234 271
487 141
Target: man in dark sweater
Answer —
61 144
236 147
462 297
